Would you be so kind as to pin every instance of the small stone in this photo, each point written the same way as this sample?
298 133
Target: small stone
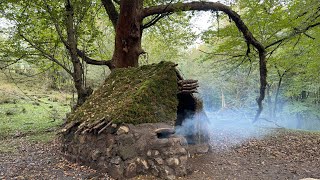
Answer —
155 172
202 148
159 160
156 152
168 171
183 159
108 152
82 139
127 152
145 164
160 143
116 171
173 161
182 151
115 160
171 177
183 141
102 159
149 153
95 155
172 150
123 130
151 163
131 170
137 135
181 171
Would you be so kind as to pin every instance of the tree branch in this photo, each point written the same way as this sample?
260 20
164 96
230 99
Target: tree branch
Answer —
293 34
155 20
15 61
79 52
88 60
56 24
215 6
117 1
111 11
46 55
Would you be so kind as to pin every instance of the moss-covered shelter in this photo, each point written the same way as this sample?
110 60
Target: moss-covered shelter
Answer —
147 94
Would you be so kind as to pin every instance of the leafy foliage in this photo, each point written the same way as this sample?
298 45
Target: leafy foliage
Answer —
290 32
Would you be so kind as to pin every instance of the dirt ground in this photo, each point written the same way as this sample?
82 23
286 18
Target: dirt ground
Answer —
283 155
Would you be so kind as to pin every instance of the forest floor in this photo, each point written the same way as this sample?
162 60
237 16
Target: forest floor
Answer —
282 155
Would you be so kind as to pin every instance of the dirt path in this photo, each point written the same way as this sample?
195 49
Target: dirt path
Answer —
289 155
41 161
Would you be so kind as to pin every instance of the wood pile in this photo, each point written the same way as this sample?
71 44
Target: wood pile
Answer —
188 86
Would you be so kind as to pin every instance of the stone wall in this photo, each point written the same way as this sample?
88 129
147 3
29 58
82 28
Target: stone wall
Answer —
125 151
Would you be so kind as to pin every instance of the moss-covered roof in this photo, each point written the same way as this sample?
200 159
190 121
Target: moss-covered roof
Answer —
146 94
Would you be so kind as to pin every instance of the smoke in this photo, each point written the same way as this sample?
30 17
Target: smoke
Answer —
230 107
229 127
223 129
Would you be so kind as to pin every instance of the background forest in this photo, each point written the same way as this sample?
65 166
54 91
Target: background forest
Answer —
36 68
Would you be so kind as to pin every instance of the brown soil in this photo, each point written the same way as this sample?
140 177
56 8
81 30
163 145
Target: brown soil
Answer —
283 155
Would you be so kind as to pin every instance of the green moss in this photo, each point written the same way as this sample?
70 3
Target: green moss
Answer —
133 95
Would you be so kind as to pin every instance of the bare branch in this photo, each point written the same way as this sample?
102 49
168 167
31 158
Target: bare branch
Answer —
45 54
155 20
117 1
56 24
15 61
157 17
309 36
221 54
95 62
293 34
205 6
111 11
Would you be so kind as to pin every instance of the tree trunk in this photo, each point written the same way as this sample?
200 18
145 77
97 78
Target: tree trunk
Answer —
128 34
77 74
269 101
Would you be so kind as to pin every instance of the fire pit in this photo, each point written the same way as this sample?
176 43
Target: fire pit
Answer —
164 132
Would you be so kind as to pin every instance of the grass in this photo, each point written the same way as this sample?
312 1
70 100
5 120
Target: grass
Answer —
28 117
32 112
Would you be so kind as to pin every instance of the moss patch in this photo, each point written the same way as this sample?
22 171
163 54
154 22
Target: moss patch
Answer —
146 94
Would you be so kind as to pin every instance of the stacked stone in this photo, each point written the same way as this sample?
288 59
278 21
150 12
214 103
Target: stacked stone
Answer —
127 151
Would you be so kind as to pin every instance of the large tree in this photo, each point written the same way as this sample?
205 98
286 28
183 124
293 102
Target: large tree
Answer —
129 19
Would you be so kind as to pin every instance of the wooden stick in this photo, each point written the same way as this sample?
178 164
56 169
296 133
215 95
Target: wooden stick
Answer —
101 130
190 84
187 92
187 81
99 125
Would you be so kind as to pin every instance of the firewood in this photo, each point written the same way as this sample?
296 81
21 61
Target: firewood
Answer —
192 84
105 127
178 75
187 91
189 85
187 81
188 88
99 125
